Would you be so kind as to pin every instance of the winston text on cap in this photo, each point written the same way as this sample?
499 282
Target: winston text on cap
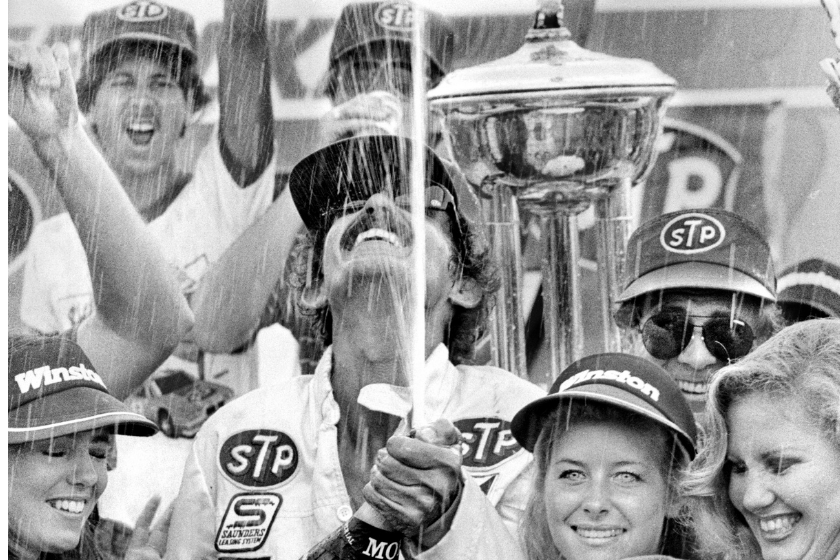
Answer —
612 375
33 378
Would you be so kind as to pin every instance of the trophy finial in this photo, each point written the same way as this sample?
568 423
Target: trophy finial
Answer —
548 22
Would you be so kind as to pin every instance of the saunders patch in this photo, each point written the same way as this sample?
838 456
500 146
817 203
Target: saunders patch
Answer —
692 233
247 521
486 441
259 458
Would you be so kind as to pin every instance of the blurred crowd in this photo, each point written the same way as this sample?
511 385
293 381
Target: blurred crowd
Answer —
272 329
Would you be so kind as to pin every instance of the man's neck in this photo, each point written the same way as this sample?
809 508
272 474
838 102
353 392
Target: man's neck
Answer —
152 193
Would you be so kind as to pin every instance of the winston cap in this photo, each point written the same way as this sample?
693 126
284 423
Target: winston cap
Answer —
54 390
621 380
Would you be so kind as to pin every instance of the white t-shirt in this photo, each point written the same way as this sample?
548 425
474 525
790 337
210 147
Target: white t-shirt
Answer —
204 219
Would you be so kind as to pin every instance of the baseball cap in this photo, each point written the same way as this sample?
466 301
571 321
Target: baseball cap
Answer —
364 24
140 21
707 248
54 391
814 283
620 380
355 169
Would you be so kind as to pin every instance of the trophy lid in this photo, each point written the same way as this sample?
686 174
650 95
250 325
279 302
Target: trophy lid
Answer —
550 61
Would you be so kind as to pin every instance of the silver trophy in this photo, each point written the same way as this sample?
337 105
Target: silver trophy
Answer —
551 130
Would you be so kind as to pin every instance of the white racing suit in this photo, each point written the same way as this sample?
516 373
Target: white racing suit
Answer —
264 480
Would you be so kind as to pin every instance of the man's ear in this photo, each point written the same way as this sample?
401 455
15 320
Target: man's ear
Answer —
466 293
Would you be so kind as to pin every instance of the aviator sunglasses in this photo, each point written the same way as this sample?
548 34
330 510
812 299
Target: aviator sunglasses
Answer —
667 333
436 199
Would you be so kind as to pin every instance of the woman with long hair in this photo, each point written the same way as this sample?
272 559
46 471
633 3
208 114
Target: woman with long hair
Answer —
767 480
61 421
610 442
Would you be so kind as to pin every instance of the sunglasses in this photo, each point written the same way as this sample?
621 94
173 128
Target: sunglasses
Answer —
667 333
436 199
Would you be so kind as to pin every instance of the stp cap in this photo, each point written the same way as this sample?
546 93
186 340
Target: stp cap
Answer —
54 390
620 380
701 249
141 20
364 24
814 283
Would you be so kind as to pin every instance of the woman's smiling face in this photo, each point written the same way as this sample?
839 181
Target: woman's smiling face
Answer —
784 478
605 494
53 487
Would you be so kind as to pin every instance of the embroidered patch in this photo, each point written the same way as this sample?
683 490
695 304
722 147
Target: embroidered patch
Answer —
259 458
247 522
487 441
692 233
142 10
395 16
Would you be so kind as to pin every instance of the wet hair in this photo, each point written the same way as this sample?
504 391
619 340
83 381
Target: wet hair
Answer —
471 259
770 319
535 535
800 366
182 68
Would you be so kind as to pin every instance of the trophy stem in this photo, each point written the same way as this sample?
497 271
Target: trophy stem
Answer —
561 289
614 221
508 324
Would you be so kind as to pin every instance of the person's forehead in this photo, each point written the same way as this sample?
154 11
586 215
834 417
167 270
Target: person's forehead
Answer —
597 439
141 64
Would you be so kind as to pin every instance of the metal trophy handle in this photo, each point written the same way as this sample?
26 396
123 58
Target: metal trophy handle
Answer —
551 130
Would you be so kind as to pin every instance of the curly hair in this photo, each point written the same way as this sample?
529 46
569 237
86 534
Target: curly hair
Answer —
800 366
471 259
535 535
184 70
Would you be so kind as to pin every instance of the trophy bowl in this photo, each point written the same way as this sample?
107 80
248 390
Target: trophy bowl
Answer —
568 148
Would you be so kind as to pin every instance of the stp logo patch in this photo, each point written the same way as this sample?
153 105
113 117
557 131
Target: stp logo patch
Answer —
487 441
692 233
142 10
259 458
247 522
395 16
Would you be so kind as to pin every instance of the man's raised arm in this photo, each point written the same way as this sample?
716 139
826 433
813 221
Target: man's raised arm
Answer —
140 313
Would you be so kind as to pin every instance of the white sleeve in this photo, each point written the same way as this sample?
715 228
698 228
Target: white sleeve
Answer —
210 213
477 532
56 294
192 531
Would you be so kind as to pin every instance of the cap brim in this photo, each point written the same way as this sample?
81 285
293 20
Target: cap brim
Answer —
699 275
355 169
529 422
73 411
435 64
147 38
